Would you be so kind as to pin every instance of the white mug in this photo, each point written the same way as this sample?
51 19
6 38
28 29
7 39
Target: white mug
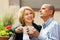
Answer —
30 28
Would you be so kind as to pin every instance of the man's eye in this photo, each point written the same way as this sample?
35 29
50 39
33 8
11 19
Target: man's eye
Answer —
43 8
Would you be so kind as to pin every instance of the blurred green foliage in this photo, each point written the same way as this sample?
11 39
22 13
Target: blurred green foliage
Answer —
6 20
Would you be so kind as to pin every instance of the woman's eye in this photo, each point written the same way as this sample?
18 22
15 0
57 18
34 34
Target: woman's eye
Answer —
27 14
30 13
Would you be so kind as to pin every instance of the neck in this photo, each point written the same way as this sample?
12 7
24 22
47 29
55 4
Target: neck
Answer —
28 24
46 18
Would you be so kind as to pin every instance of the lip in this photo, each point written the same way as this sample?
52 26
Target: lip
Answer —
30 18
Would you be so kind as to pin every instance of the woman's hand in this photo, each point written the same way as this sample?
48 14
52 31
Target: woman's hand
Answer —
34 34
19 30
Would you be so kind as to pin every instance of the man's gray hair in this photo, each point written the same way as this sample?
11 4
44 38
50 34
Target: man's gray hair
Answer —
51 7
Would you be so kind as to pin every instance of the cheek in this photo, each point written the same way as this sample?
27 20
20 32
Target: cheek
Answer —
33 15
24 18
45 12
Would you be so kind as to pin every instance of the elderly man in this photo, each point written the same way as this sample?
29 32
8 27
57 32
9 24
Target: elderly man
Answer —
50 27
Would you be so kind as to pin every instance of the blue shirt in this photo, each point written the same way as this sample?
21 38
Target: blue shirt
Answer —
49 30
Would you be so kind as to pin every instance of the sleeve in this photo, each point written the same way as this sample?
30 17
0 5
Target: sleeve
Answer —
13 29
46 37
39 28
42 37
52 34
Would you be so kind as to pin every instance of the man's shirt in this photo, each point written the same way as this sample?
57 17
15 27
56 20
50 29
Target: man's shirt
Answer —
49 30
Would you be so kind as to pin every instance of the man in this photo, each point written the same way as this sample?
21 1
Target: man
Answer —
50 27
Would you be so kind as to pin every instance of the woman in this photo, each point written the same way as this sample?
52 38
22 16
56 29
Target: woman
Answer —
26 18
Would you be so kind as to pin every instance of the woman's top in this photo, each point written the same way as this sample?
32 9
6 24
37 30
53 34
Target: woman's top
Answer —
19 36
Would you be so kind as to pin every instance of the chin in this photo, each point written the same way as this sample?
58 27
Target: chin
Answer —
41 16
29 21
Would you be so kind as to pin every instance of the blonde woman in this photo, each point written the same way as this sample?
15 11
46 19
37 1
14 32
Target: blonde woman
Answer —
26 18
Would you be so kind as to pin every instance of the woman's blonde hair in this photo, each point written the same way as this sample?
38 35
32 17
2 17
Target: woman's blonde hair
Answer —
21 13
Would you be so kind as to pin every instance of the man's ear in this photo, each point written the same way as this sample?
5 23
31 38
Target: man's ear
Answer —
51 11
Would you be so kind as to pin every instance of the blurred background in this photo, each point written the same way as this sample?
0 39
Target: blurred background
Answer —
12 6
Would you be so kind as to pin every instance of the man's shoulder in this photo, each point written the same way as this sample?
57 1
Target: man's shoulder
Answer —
55 22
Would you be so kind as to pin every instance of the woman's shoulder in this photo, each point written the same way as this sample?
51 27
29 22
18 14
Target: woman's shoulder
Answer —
38 27
34 24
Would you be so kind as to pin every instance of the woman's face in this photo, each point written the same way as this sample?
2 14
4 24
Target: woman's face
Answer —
28 16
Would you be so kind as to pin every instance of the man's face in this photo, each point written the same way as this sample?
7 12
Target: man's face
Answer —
44 11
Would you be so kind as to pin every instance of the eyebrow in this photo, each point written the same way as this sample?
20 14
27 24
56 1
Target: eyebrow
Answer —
43 8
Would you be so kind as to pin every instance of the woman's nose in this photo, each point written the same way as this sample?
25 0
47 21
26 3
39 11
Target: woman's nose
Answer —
29 15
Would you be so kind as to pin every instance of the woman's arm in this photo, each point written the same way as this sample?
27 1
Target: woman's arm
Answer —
17 29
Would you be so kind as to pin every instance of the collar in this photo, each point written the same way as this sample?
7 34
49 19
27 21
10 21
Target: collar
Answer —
48 22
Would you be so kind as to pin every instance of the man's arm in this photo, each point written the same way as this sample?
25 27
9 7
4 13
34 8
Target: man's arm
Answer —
52 34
